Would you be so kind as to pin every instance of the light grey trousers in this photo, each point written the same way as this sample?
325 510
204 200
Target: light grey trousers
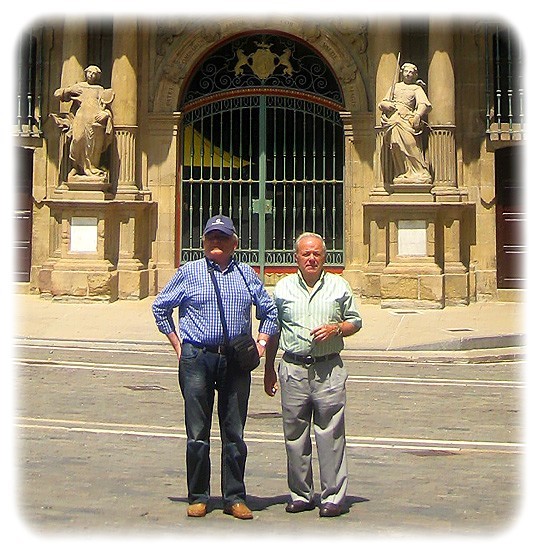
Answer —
316 394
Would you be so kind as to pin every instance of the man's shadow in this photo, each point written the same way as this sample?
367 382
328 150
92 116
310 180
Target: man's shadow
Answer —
259 504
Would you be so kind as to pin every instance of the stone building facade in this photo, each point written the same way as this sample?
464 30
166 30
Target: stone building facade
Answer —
274 122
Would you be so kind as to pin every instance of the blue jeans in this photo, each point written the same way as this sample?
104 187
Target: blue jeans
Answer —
201 374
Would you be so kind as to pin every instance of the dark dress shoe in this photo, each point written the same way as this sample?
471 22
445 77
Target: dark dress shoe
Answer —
295 506
329 510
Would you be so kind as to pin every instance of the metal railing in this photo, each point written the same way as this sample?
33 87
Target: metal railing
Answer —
274 164
504 85
28 82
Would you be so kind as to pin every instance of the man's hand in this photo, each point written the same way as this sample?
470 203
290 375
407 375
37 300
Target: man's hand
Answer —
325 332
270 377
175 342
270 382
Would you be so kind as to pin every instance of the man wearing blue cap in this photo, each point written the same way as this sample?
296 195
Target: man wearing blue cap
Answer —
204 366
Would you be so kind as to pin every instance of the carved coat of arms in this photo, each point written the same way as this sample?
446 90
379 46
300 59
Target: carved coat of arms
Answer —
263 61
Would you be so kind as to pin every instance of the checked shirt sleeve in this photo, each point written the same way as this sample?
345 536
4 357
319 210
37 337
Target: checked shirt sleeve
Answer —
170 297
266 311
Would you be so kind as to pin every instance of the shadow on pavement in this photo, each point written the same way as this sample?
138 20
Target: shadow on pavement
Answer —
257 504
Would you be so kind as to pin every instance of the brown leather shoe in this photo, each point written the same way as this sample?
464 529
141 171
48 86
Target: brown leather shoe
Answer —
329 510
295 506
197 510
238 510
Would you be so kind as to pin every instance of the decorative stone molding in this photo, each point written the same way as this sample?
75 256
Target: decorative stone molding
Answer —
181 50
383 165
396 274
117 266
442 155
124 165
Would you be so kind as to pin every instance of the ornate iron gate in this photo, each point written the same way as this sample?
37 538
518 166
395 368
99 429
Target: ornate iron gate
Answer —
273 161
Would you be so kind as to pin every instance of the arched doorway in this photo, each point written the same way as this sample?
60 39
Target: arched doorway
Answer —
262 142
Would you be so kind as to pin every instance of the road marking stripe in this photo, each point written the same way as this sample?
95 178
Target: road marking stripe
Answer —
65 364
165 352
424 381
265 437
248 438
428 381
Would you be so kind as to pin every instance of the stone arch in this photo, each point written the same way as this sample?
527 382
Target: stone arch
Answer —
343 48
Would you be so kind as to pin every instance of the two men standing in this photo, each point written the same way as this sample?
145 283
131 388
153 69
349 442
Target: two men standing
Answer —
314 311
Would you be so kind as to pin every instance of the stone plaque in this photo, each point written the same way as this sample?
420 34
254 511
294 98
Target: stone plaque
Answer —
83 235
412 238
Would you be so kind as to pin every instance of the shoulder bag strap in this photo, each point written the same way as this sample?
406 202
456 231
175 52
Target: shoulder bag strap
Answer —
219 302
245 280
253 302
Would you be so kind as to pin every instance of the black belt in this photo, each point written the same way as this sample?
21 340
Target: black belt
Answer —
214 349
308 360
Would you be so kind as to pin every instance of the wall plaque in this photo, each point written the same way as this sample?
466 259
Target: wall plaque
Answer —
83 235
412 238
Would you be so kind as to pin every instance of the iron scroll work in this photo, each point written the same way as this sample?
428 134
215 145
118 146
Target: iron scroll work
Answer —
263 143
264 61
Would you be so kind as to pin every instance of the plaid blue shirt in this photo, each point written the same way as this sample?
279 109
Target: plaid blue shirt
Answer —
192 292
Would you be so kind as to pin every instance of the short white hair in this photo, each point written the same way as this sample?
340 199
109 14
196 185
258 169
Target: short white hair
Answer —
309 235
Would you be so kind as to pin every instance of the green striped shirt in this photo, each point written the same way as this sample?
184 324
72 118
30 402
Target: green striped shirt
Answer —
300 311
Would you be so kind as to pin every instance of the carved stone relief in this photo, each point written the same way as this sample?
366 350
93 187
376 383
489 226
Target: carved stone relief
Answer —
180 47
404 109
88 126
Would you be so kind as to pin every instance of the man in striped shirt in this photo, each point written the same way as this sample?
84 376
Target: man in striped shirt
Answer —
316 310
204 366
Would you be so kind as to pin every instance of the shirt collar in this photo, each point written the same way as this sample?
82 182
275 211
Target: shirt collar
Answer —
215 266
318 283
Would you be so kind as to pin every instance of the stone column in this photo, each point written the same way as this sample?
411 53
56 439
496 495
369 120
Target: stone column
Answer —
74 46
387 44
358 149
131 212
441 81
124 107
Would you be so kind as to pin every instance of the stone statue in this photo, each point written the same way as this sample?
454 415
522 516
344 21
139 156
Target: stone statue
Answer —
89 124
403 111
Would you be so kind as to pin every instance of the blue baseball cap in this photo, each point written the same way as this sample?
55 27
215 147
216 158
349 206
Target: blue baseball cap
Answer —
221 223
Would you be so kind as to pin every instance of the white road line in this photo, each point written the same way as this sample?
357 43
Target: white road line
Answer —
429 381
164 352
374 442
66 364
423 381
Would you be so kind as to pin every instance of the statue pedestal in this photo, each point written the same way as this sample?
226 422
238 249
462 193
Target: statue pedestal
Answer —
449 194
410 186
83 278
80 187
98 247
418 251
